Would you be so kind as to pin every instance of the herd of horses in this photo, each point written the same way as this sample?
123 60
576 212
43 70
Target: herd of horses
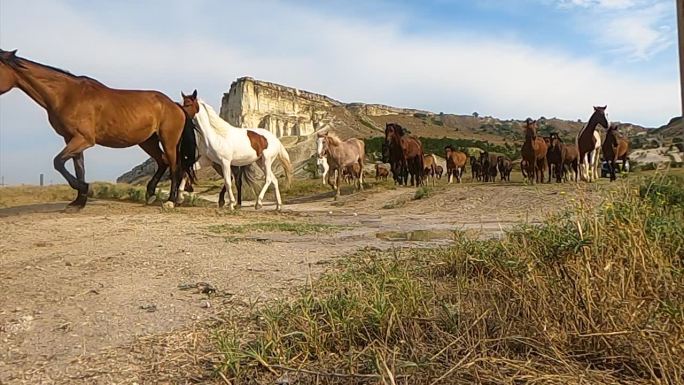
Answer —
407 161
182 137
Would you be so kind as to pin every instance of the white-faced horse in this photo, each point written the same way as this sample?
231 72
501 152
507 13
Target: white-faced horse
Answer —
340 155
225 145
322 160
589 145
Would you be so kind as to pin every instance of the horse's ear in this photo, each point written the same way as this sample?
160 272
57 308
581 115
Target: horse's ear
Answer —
183 95
194 94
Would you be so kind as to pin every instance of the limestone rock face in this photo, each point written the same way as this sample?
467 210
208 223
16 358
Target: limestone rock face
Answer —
284 111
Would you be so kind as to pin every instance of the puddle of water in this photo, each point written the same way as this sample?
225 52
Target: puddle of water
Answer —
416 235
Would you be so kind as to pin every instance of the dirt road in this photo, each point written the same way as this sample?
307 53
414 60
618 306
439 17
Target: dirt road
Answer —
76 285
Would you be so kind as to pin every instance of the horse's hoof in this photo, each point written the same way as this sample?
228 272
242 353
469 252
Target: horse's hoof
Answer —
73 208
279 208
168 205
258 206
151 199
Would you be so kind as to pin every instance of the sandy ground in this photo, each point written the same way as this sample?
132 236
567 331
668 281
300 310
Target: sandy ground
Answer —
75 286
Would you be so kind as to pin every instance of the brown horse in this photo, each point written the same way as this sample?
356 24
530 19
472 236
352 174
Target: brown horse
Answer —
524 166
430 167
570 159
381 172
534 152
455 162
351 173
488 166
476 168
404 153
561 155
439 170
85 112
614 148
505 167
342 154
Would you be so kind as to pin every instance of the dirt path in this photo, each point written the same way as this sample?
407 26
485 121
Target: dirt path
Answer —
74 285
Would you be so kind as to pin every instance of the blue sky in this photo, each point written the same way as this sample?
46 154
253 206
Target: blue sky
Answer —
506 58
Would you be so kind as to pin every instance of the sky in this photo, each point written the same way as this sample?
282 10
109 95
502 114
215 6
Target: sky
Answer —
504 58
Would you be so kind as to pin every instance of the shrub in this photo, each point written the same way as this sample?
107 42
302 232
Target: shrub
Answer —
594 295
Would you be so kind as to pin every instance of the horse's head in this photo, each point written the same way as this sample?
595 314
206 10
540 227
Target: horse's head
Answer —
393 130
448 150
612 130
190 104
600 116
530 129
8 66
321 144
555 140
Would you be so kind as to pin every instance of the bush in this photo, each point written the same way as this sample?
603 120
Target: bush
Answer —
594 295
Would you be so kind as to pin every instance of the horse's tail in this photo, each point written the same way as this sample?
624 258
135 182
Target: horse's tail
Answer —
434 162
284 158
187 149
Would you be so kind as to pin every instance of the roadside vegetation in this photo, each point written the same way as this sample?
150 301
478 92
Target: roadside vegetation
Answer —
594 295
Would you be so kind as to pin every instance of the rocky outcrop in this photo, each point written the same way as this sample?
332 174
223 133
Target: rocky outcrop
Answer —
287 111
284 111
139 174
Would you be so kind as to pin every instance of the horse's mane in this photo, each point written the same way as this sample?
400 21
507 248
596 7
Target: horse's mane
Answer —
333 138
215 121
18 64
399 130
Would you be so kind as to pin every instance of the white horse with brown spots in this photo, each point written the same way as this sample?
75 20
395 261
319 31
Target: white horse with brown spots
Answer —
589 145
225 145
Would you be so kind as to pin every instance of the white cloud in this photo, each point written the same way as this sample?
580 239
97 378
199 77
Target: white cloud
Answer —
637 29
350 60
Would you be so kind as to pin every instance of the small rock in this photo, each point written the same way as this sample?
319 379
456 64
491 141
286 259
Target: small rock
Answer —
206 304
150 308
284 380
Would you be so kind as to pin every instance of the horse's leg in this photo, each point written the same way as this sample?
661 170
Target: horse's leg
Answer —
266 167
222 195
151 147
228 182
361 173
79 168
74 147
338 175
170 145
237 173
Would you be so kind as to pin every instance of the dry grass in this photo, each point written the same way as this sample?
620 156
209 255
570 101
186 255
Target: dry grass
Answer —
25 195
595 295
